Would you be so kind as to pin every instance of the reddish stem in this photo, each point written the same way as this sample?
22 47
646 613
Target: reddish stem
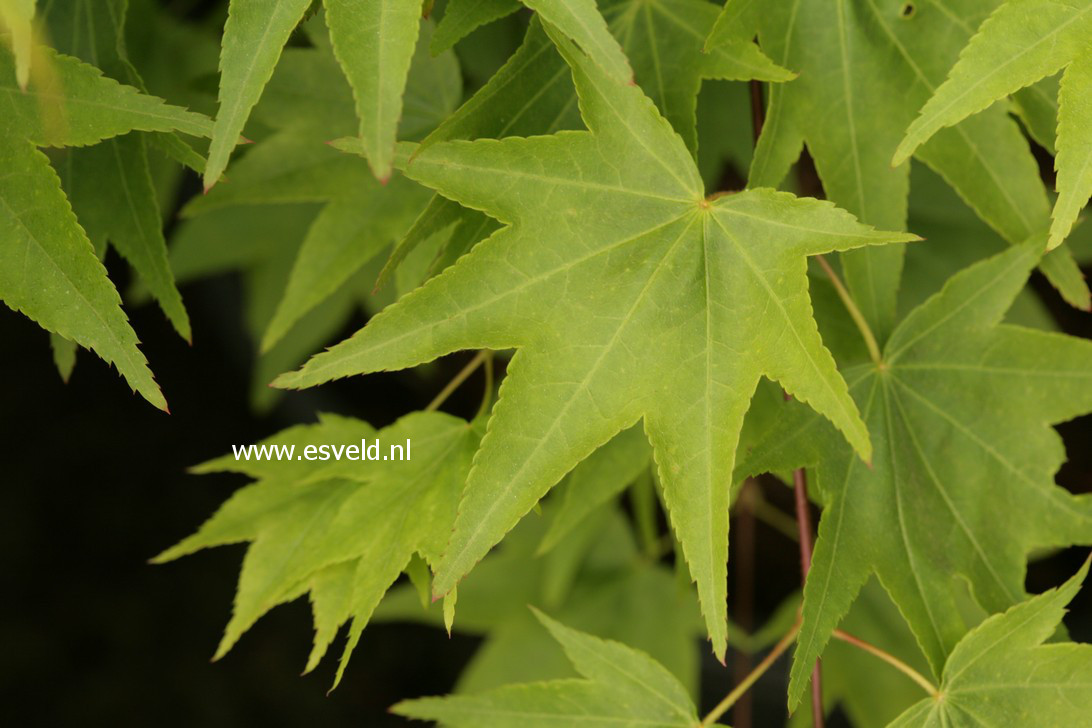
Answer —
803 524
744 560
758 109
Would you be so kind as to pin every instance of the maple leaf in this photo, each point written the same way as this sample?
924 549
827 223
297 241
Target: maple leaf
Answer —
613 262
1020 43
533 93
48 268
343 529
961 485
619 686
1001 674
850 55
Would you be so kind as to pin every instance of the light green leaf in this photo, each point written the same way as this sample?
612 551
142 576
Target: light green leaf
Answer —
1001 674
663 269
956 239
254 35
1022 42
374 44
959 409
49 271
620 687
303 518
70 103
533 94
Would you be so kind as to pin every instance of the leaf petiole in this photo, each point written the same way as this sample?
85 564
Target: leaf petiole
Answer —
457 380
745 684
854 312
890 660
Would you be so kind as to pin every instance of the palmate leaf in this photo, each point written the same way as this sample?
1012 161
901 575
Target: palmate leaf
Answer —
1001 674
850 55
313 526
533 94
50 271
961 485
620 687
1020 43
613 262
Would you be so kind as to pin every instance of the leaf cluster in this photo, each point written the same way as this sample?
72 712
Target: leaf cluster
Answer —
705 242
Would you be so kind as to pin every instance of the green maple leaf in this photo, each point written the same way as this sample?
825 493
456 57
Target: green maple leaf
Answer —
532 93
343 529
612 263
1021 42
619 686
1001 673
850 55
48 268
962 482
